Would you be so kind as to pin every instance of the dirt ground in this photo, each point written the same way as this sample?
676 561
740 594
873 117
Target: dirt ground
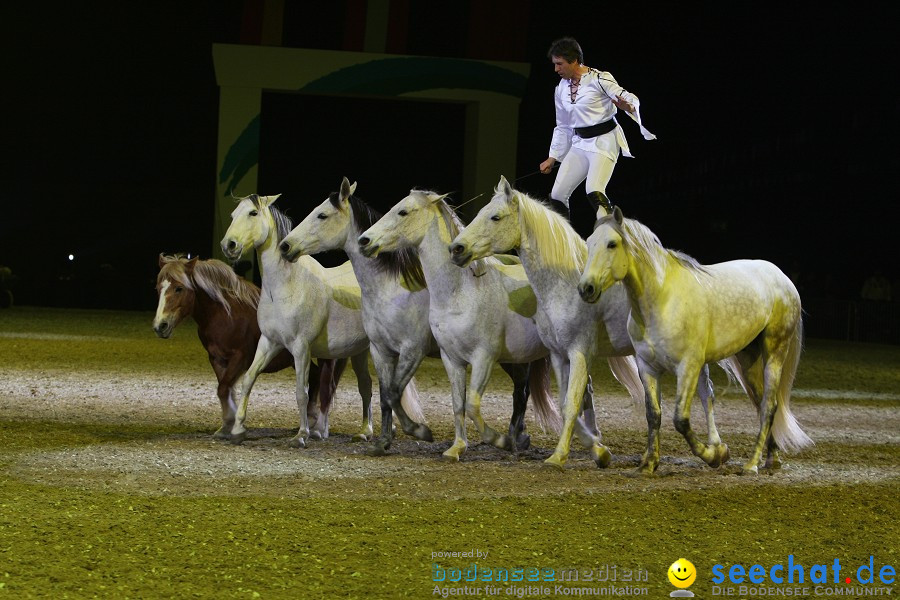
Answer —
195 464
102 421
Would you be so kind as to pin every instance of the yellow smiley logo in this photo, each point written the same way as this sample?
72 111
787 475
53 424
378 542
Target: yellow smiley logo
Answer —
682 573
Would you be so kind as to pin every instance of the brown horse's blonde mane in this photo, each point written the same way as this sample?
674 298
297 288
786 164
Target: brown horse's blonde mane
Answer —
213 277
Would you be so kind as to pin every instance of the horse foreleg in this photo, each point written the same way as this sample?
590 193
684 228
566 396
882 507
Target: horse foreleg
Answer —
686 388
576 401
708 399
481 373
457 376
301 364
360 364
388 398
561 369
266 350
650 458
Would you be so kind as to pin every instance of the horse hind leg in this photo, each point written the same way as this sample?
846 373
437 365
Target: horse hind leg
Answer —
360 364
773 460
318 420
771 376
519 438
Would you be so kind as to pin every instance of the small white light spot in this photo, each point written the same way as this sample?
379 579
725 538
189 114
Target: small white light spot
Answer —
71 257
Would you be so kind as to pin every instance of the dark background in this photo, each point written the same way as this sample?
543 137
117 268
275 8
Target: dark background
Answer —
775 124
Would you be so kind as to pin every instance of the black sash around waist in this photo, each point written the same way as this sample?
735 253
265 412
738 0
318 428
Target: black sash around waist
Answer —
595 130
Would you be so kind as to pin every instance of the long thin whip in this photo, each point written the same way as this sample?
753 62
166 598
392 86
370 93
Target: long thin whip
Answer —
458 206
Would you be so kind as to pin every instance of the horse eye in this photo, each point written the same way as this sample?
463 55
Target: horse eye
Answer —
402 213
611 245
495 218
322 216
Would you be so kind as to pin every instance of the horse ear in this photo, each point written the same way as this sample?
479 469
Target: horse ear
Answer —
346 189
504 186
269 200
617 215
190 264
162 260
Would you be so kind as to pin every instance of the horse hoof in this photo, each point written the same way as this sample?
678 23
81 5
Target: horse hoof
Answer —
238 438
602 456
222 434
377 450
450 457
523 442
359 437
750 470
297 443
722 455
422 432
555 461
646 470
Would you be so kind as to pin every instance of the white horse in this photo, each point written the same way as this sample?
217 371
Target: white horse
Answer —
478 317
303 307
395 304
744 313
553 255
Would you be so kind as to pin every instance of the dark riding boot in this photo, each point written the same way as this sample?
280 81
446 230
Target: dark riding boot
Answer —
585 225
598 199
559 207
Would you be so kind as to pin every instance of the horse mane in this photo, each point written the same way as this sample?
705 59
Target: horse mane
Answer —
283 224
646 247
561 248
455 225
402 263
213 277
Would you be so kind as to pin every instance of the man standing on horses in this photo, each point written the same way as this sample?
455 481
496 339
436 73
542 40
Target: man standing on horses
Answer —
587 138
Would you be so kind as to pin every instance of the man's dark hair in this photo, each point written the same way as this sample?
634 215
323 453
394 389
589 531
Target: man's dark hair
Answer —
566 48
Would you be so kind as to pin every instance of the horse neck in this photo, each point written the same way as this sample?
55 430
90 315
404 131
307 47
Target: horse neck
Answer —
443 278
207 310
273 269
644 288
371 279
543 278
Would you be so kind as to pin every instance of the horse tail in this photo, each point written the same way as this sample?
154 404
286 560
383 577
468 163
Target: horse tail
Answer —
545 410
624 369
786 430
736 375
409 400
329 377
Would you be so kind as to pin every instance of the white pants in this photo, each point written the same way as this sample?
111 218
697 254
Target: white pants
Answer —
578 165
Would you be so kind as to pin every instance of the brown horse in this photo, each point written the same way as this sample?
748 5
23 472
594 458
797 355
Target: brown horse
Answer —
224 308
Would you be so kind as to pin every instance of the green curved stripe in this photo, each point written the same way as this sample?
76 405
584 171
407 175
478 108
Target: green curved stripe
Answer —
242 155
395 76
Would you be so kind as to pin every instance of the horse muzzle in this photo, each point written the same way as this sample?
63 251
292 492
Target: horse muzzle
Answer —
163 330
459 255
368 249
288 253
589 292
231 249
